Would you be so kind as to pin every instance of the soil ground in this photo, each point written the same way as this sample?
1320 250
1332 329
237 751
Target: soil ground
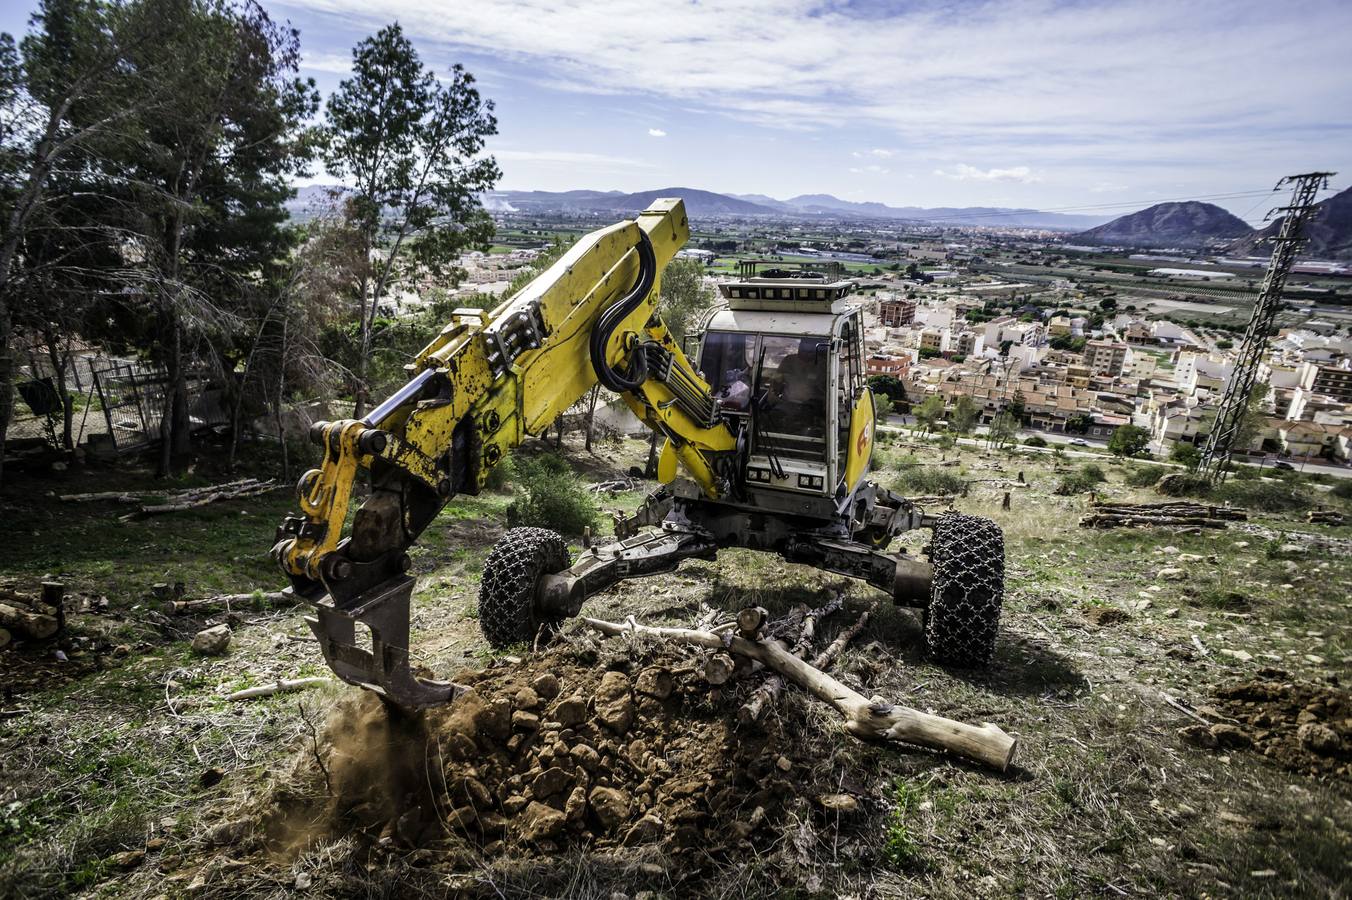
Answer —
1180 702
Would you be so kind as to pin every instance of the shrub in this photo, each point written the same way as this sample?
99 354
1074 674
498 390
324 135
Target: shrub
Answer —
1145 476
929 480
1181 484
549 495
1245 473
1083 481
1093 472
1343 489
1075 483
500 476
1264 495
1036 440
908 461
1187 454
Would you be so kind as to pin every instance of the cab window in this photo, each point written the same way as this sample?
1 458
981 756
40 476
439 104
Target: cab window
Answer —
792 382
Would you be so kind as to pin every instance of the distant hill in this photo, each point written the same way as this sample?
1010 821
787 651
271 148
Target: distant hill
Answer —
313 199
702 204
1329 232
1188 224
698 204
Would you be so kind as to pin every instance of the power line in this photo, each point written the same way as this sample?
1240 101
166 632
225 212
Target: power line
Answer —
1235 401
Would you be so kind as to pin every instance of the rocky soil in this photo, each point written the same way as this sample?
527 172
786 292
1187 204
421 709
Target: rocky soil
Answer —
585 745
1303 727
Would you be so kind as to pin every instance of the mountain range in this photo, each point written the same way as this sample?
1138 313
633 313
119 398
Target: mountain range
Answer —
702 204
1329 232
1187 224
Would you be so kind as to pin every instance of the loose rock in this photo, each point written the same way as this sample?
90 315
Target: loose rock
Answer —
1106 615
1319 738
570 711
1230 736
211 641
540 822
645 831
655 681
546 685
610 806
843 804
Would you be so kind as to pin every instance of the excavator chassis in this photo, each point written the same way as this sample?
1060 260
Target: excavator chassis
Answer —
771 435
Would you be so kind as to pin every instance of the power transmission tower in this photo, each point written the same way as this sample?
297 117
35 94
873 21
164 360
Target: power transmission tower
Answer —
1235 401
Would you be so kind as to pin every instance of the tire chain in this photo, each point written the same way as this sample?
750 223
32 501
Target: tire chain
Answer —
963 618
507 612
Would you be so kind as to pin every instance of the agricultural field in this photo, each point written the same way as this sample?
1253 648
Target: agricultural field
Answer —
1179 698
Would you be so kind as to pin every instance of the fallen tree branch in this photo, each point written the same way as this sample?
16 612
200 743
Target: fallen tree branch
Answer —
179 607
280 686
865 718
198 497
828 656
140 496
767 695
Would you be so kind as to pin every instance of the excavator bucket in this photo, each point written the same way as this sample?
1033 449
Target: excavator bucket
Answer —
384 668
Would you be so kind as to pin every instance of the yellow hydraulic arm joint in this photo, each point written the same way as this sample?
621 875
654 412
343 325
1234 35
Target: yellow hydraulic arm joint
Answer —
489 379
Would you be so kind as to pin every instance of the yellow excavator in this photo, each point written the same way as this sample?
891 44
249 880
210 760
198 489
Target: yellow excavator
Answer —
767 446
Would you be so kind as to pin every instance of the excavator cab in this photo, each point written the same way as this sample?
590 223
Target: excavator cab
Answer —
782 356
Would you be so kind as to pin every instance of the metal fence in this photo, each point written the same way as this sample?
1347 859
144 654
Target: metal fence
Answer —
119 404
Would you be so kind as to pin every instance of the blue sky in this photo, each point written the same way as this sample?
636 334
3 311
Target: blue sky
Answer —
1019 103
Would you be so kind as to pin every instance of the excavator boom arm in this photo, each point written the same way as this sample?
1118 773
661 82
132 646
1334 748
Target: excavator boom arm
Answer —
476 391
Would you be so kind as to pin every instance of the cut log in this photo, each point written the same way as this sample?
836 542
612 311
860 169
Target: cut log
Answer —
1173 508
1135 521
868 718
28 624
751 620
5 638
54 597
280 686
273 598
184 493
718 667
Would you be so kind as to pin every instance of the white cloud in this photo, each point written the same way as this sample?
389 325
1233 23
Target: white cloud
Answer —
656 132
964 172
337 63
870 170
1086 87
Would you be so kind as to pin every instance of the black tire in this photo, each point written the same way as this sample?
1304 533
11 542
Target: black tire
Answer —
507 609
963 616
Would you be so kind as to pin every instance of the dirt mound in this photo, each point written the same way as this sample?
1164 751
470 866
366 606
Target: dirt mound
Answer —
576 746
1303 727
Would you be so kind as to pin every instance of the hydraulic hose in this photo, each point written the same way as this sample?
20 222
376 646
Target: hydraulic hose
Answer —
611 319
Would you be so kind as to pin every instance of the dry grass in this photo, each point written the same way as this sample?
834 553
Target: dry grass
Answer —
1104 801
